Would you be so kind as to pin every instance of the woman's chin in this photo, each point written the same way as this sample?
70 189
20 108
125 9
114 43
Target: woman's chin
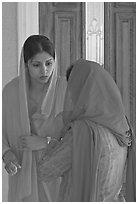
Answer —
43 79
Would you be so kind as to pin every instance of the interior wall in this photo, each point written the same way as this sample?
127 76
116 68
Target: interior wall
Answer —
9 60
9 41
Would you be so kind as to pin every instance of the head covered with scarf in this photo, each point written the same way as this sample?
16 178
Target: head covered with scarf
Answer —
93 97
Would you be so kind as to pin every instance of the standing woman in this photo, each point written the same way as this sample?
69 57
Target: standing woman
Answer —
29 101
95 142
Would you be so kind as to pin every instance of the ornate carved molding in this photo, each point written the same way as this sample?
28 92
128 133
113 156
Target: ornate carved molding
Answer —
125 4
120 53
66 41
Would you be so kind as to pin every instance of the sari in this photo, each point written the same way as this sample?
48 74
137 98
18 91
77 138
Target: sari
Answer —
17 121
93 110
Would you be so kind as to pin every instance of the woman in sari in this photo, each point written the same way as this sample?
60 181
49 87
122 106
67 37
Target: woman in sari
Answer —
29 101
95 142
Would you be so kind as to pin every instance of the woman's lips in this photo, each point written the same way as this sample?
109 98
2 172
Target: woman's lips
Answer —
43 77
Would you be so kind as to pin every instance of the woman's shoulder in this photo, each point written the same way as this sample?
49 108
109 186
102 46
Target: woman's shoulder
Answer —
12 86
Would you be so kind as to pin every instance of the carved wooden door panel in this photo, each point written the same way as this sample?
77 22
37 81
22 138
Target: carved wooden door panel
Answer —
63 23
120 51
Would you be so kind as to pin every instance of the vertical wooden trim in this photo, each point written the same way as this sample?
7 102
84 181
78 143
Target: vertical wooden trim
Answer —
109 49
83 25
46 20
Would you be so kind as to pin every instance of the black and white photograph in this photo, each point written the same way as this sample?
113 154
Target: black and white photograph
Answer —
68 101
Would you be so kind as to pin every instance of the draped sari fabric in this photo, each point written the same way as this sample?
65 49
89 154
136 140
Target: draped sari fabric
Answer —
16 122
131 172
92 98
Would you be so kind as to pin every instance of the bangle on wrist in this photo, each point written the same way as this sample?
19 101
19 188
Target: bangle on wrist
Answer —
54 139
48 139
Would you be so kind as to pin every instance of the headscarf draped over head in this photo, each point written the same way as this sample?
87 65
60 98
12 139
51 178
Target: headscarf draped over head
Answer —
92 96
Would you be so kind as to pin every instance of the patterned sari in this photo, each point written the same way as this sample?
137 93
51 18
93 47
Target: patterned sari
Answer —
94 151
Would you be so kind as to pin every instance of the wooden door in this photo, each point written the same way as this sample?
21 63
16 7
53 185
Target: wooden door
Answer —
120 51
63 23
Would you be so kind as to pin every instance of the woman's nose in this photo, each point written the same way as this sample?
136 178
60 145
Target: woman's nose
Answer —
44 69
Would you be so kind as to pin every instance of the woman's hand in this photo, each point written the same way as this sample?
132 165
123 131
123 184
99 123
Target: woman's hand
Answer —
32 142
11 162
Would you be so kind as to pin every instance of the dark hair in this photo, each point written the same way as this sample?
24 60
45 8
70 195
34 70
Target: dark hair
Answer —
35 44
68 71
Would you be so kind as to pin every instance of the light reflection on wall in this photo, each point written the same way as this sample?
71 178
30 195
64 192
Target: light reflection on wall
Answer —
95 31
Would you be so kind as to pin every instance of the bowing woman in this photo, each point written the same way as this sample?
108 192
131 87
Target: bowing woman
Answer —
95 143
29 101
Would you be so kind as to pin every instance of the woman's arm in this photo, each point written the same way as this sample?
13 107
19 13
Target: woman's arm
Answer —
32 142
57 161
5 143
51 128
9 158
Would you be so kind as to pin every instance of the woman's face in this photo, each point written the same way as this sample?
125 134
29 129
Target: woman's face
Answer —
41 67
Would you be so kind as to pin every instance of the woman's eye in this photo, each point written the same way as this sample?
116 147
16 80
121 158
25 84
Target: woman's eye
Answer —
48 63
35 65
